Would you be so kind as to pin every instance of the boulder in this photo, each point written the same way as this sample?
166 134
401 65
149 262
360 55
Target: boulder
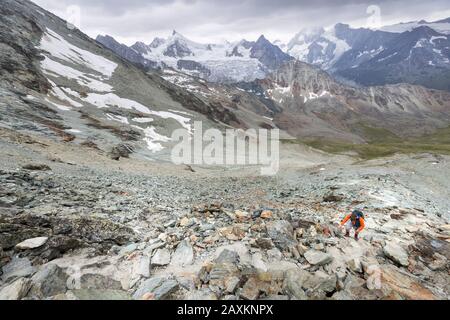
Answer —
159 287
231 284
396 253
251 290
220 274
49 281
281 233
142 267
264 243
333 198
354 288
258 262
98 281
398 283
355 265
36 167
440 262
183 255
120 151
242 216
32 243
302 284
227 256
318 258
266 214
16 290
17 268
293 283
128 249
161 258
373 281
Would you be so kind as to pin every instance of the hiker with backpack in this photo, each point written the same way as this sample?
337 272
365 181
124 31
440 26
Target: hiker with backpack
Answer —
355 221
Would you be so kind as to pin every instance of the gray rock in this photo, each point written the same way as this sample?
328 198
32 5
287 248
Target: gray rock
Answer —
222 271
355 265
36 167
143 266
293 283
321 282
227 256
128 249
281 233
161 258
49 281
98 281
154 245
251 290
231 284
32 243
183 255
17 268
318 258
396 253
264 243
16 290
160 287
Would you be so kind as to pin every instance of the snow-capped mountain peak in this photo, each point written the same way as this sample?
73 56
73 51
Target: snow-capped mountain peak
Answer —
222 62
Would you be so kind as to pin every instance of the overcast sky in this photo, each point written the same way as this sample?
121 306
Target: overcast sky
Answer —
217 20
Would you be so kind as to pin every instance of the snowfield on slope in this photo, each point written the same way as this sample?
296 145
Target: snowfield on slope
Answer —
60 60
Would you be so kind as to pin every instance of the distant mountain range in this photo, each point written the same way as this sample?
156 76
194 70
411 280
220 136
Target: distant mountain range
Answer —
414 52
226 62
58 82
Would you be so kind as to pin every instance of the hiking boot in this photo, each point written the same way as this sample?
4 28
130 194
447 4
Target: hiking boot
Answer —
356 237
347 234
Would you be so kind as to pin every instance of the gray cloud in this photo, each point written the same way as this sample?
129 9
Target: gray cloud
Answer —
213 20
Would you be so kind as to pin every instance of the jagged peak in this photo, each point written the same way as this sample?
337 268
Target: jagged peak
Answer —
157 42
263 39
424 31
106 36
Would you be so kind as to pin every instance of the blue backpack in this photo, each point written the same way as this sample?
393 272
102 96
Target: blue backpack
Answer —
359 214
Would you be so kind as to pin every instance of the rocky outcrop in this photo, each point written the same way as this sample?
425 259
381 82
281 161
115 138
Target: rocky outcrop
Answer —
63 233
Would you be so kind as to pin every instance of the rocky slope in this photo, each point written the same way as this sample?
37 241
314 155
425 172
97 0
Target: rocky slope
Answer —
58 82
95 230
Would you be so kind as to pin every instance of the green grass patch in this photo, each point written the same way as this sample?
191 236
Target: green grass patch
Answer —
382 143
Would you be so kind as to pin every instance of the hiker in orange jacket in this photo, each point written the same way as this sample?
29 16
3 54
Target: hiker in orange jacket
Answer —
355 220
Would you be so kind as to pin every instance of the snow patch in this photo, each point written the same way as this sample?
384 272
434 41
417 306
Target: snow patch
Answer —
58 47
142 120
73 131
56 69
153 139
117 118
